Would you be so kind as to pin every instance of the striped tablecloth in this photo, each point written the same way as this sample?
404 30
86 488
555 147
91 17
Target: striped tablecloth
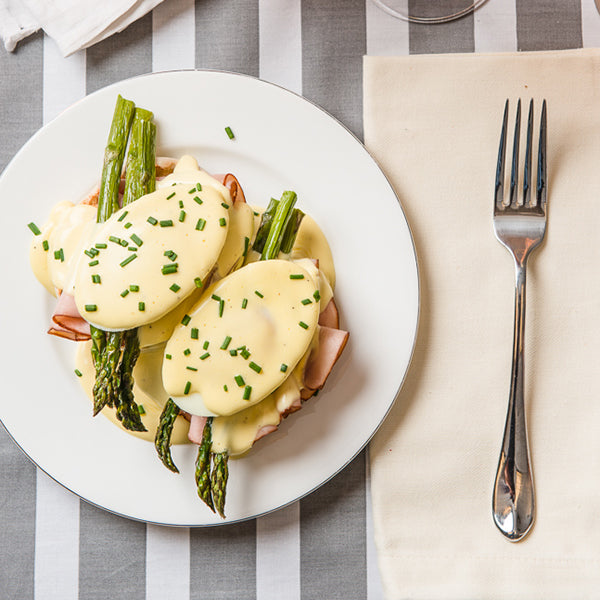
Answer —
54 546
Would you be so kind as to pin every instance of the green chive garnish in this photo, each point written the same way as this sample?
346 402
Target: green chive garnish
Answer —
168 269
90 308
134 288
225 388
198 282
125 262
78 373
206 344
255 367
200 224
225 205
306 301
191 368
221 307
215 297
166 223
222 222
168 356
181 204
316 295
199 187
59 255
186 319
124 243
115 239
187 352
247 392
136 240
229 133
170 195
233 352
141 306
128 225
191 191
226 342
124 293
188 387
205 356
303 324
141 409
246 245
283 368
244 302
123 215
258 294
45 245
240 380
152 220
174 288
34 228
245 353
90 252
170 254
182 216
93 263
101 245
296 276
194 333
197 199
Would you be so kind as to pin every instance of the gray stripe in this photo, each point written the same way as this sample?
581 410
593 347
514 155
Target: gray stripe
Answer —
17 521
227 35
549 25
20 95
332 57
333 545
455 36
112 556
120 56
223 562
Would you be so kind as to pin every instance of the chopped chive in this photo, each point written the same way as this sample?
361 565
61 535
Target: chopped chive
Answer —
303 324
123 215
168 356
240 380
225 388
181 204
152 220
188 387
306 301
244 302
229 133
166 223
174 288
125 262
128 225
192 190
221 307
246 245
233 352
205 345
197 199
93 263
141 306
78 373
181 216
198 282
200 224
283 368
247 392
59 255
244 352
124 293
205 356
45 245
258 294
199 187
134 288
194 333
191 368
168 269
186 319
132 248
225 205
101 245
124 243
34 228
90 308
215 297
136 240
296 276
255 367
170 254
317 295
187 352
226 342
115 239
222 222
141 409
170 195
91 252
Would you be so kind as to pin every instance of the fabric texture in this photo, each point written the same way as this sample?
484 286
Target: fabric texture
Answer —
73 24
433 123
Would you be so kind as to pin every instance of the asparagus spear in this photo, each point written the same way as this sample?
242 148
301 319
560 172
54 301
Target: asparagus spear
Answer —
282 216
291 231
128 411
218 481
265 226
203 479
162 440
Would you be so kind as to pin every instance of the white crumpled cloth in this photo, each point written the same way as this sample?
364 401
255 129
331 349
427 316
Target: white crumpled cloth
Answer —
73 24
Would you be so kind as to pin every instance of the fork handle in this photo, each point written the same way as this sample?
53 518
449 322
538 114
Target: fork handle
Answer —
513 499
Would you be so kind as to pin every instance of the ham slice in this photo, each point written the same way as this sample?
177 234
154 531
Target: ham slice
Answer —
67 322
329 316
233 185
196 428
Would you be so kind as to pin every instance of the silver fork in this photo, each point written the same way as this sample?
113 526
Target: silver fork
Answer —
520 226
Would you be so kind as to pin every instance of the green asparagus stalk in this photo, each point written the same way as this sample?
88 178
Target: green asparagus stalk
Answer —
218 481
282 216
105 390
264 227
203 478
291 231
162 440
128 411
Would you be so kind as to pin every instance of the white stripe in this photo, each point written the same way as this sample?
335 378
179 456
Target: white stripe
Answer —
280 43
167 563
590 24
278 554
374 587
386 35
496 27
173 35
64 79
56 571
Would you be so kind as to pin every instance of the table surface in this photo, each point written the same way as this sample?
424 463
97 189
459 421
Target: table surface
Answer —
54 546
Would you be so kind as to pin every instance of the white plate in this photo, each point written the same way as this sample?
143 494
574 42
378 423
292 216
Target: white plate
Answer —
281 142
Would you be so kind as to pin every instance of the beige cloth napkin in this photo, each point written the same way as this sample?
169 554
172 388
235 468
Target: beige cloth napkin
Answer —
433 123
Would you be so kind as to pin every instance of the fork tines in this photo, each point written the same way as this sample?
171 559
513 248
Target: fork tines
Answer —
525 205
